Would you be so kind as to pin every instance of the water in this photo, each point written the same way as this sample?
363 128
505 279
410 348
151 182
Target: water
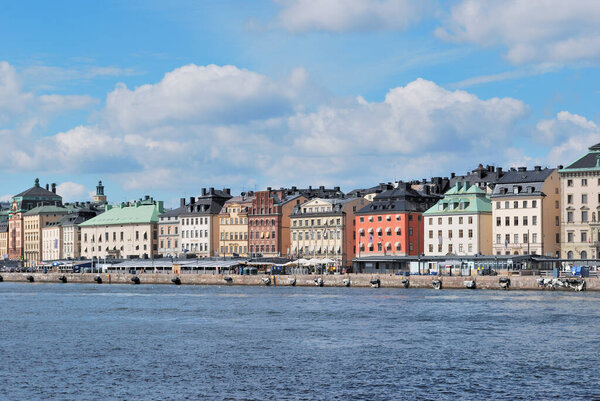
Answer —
125 342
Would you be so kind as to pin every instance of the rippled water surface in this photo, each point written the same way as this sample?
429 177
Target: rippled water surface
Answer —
100 342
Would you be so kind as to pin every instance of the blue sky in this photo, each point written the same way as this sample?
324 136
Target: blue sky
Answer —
164 98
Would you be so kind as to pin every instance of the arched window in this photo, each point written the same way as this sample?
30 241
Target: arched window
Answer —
570 255
583 255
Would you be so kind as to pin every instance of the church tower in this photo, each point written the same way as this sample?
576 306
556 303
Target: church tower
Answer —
100 198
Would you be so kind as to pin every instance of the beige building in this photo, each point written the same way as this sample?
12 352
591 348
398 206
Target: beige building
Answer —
128 231
52 244
34 222
460 223
580 216
324 228
526 212
233 226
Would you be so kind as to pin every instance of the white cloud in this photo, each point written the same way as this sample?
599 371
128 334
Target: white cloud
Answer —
6 198
550 31
569 135
72 191
301 16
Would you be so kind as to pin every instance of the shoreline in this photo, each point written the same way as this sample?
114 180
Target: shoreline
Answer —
310 280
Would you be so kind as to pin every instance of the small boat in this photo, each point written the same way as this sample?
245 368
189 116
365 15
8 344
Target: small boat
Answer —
437 284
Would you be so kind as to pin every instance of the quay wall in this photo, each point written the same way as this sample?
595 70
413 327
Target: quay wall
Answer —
356 280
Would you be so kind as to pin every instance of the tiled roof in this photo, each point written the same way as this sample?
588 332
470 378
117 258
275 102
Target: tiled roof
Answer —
590 160
527 176
141 214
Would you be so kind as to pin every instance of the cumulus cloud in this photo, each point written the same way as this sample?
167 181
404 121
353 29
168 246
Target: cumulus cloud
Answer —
22 111
72 191
301 16
542 31
569 135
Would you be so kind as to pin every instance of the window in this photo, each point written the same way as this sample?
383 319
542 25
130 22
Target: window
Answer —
379 218
584 198
570 237
410 231
498 239
470 233
506 204
498 221
584 236
507 239
516 220
525 204
431 221
556 221
584 182
497 205
449 220
534 221
569 199
460 220
362 219
439 220
507 221
430 248
515 204
460 233
569 183
450 248
460 247
470 219
449 233
584 216
569 217
516 238
430 234
534 203
379 247
524 220
525 239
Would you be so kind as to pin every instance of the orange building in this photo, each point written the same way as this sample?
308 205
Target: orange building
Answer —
393 223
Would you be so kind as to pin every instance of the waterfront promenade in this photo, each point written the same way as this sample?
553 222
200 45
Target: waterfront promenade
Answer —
332 280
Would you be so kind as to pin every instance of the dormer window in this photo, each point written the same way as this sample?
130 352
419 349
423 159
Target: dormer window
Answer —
515 190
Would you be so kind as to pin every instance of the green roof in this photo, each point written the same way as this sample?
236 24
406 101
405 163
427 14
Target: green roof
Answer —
461 200
135 214
47 209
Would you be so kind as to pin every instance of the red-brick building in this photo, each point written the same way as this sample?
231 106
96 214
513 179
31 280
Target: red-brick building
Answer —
269 222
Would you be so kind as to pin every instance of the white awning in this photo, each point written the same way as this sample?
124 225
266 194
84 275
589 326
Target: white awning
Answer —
398 230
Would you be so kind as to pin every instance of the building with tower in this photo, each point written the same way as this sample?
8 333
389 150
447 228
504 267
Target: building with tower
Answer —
100 198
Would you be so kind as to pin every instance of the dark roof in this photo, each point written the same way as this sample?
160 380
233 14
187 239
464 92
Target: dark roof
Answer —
401 198
522 176
482 176
173 212
590 160
38 191
206 204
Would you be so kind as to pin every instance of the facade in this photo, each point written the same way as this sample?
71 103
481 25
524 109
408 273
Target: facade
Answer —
269 222
21 203
526 212
128 231
52 244
324 228
580 212
168 231
34 221
71 232
4 240
199 223
460 223
233 226
392 224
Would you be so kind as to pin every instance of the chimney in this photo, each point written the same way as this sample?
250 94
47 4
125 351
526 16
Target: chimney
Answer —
211 191
47 187
310 187
427 190
203 191
294 189
192 200
182 202
537 168
336 189
228 191
499 171
560 166
269 189
522 169
146 197
452 175
53 187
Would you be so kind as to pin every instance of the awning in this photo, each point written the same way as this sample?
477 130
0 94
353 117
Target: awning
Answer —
398 230
388 230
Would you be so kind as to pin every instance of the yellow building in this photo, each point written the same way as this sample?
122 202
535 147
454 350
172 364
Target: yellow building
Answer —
233 222
33 223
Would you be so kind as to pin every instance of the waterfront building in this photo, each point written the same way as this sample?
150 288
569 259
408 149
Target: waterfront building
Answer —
324 228
129 231
168 231
392 224
526 212
460 223
269 222
580 212
34 221
71 231
233 223
52 244
21 203
199 223
3 239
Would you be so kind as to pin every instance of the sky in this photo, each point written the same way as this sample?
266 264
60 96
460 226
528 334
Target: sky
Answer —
165 98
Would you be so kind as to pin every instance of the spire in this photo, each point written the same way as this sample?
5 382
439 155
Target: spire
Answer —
100 189
100 198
